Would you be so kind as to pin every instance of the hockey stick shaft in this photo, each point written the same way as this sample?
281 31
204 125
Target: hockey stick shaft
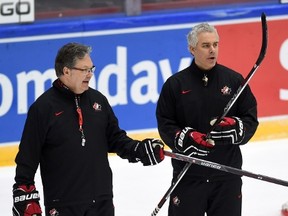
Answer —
226 109
224 168
248 77
171 188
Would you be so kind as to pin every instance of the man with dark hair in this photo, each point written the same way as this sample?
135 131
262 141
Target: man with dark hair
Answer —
69 131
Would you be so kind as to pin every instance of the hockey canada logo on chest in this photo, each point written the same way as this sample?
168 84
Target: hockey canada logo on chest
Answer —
97 107
226 90
53 212
176 201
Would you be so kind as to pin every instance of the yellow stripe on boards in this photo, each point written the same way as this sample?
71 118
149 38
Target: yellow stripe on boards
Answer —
267 130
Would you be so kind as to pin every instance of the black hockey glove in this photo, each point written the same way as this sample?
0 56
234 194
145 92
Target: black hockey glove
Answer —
190 142
149 151
26 201
229 131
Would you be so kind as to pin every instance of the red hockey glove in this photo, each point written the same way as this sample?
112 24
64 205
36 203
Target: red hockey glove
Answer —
149 151
26 201
190 142
229 131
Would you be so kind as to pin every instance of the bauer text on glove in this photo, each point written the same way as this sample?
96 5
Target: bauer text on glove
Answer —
26 201
191 142
229 131
150 151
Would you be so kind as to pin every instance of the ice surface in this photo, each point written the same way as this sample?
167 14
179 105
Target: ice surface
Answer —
138 189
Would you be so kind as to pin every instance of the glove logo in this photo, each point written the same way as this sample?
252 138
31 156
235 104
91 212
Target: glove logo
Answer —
241 127
182 136
31 196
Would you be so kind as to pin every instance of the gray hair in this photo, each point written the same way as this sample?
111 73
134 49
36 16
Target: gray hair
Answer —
192 37
68 55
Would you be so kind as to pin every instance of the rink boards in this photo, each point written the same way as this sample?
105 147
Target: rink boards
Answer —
268 129
134 56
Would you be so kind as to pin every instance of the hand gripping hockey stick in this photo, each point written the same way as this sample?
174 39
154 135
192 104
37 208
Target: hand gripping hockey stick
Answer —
218 120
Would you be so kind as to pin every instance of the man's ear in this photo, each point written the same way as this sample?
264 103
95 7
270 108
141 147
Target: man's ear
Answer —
66 71
192 50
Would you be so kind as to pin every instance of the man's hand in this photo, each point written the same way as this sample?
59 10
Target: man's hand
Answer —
26 201
149 151
229 131
190 142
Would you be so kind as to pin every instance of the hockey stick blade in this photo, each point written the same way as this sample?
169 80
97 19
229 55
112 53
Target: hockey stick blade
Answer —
264 40
212 165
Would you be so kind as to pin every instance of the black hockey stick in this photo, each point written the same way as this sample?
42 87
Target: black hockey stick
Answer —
248 77
226 110
205 163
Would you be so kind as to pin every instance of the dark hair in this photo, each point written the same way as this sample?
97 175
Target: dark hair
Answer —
68 55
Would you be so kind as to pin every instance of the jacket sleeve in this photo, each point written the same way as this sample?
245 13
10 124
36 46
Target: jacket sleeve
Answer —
118 140
28 156
166 115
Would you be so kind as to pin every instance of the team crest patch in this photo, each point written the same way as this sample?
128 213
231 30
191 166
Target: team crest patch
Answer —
226 90
176 201
97 107
53 212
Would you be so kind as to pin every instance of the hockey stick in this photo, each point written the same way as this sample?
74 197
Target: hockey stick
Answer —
226 110
248 77
205 163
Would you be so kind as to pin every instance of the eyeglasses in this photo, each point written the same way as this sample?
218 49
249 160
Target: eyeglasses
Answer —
86 70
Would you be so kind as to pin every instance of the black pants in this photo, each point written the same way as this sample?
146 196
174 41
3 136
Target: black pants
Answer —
100 208
195 198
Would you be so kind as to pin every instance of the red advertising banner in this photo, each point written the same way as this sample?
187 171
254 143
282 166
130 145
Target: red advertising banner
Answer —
239 49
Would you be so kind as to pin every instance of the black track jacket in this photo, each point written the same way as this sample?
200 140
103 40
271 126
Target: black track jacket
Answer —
71 173
185 102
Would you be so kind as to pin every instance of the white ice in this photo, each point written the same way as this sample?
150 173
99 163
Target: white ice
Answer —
138 189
